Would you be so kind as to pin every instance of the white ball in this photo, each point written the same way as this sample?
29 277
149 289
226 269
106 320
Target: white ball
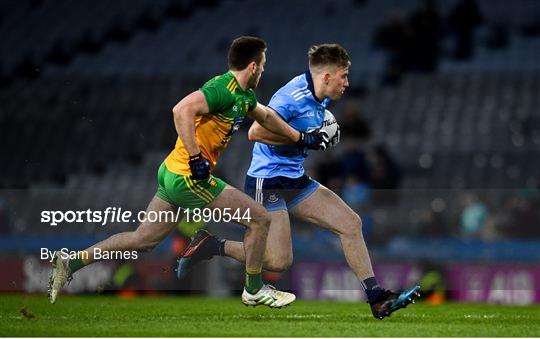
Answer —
329 124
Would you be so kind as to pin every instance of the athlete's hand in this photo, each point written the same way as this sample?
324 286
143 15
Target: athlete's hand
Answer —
316 139
200 167
335 139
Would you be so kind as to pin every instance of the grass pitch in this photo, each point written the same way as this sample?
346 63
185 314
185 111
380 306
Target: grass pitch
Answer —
32 315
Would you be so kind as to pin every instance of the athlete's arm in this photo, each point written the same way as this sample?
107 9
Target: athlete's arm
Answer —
261 134
274 130
184 119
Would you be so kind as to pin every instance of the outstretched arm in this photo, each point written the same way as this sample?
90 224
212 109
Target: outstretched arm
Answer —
270 128
261 134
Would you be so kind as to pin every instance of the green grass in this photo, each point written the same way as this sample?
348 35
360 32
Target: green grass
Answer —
32 315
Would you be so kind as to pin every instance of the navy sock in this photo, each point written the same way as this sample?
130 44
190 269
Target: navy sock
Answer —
221 247
215 246
372 289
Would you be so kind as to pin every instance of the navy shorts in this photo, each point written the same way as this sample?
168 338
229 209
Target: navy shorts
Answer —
280 193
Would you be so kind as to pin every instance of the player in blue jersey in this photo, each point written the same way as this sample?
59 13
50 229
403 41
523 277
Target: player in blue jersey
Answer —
277 180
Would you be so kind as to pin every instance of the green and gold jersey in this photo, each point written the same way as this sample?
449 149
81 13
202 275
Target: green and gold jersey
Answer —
228 105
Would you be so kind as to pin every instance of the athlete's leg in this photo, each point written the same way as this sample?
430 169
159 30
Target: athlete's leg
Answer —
325 209
278 255
255 291
147 236
144 238
256 228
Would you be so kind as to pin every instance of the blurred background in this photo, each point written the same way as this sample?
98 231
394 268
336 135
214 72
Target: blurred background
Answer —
440 146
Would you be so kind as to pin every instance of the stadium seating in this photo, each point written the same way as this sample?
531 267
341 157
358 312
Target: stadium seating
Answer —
102 121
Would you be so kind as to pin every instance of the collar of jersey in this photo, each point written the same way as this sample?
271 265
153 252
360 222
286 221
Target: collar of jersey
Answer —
310 85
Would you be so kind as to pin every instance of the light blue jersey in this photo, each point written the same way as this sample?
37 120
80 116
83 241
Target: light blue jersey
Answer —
297 105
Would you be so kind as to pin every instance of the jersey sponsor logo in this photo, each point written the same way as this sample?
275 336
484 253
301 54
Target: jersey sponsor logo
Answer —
234 127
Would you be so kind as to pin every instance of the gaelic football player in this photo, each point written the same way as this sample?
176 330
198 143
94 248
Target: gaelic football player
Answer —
276 179
205 121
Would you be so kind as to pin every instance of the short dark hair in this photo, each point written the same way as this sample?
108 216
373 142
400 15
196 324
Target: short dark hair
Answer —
244 50
328 54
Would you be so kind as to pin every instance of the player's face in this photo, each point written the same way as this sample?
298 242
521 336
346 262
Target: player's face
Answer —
256 76
337 82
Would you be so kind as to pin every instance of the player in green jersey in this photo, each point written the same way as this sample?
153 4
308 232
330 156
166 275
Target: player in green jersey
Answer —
205 121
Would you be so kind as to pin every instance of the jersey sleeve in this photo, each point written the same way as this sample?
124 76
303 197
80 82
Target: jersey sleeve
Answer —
281 104
217 97
251 100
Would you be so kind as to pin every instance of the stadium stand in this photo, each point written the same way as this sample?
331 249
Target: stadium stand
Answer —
102 121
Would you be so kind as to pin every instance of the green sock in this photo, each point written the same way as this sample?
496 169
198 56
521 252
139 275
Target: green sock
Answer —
253 282
75 265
